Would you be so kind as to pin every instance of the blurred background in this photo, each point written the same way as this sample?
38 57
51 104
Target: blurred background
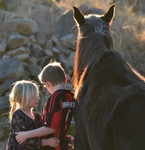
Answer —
33 32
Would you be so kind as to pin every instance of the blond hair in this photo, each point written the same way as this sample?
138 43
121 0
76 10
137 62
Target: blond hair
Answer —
52 72
21 93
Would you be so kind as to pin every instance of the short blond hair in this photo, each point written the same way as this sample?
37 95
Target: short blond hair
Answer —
21 93
52 72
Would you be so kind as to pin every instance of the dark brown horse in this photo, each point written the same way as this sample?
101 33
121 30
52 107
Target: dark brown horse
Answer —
110 113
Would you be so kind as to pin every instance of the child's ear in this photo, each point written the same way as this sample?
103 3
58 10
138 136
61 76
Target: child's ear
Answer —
49 84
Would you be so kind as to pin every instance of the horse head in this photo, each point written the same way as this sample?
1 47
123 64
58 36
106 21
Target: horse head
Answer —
95 24
93 36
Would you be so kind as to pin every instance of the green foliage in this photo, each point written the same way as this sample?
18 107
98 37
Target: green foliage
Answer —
3 5
71 130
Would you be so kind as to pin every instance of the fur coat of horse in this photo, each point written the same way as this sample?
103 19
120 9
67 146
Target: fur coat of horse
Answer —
110 109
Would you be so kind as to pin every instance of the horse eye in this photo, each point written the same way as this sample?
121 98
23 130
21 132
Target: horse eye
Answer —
106 32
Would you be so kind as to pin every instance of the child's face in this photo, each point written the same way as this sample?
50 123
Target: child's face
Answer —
33 103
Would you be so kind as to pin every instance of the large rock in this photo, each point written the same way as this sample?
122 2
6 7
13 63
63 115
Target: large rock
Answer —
23 57
32 60
21 53
37 51
34 70
27 27
4 102
65 25
43 17
24 26
6 86
20 50
49 52
41 38
17 40
10 68
68 41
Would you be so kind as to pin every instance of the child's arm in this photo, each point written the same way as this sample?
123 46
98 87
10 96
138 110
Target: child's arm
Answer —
24 135
53 142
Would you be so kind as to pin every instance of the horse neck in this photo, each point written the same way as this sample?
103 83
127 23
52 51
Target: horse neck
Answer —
88 49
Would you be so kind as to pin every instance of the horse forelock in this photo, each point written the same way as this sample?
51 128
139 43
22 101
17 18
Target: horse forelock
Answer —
98 25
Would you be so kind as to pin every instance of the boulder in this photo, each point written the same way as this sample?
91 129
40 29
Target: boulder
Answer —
4 102
18 51
10 68
24 26
65 25
37 51
32 60
6 86
43 17
27 27
68 41
16 40
34 70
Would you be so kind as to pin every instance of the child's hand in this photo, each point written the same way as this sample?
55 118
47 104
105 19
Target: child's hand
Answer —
71 140
53 142
21 137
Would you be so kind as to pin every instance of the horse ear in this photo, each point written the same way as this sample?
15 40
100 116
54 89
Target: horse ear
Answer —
108 16
78 16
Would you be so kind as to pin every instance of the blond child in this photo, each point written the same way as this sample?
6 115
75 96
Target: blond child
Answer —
23 98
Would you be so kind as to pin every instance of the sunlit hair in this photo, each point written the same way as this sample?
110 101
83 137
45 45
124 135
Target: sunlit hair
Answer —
21 93
52 72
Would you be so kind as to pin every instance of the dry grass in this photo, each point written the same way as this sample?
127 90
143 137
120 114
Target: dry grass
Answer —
92 3
128 35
